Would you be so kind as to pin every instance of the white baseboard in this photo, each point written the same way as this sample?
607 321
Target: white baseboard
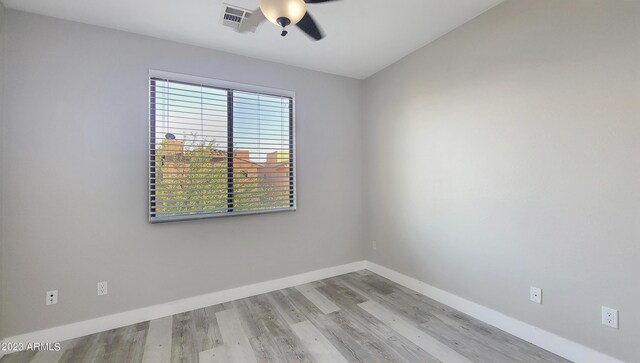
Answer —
103 323
544 339
556 344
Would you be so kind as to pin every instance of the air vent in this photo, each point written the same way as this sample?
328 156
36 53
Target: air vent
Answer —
232 16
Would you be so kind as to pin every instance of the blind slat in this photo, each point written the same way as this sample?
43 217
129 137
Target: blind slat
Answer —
219 210
211 202
166 198
195 104
277 125
190 190
284 182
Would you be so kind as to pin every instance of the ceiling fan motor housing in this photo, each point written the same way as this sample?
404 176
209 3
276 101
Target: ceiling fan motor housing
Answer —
284 21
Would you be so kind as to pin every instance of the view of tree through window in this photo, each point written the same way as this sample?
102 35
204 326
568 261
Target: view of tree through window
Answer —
218 151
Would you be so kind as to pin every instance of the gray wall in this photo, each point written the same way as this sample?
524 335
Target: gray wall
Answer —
506 154
74 180
2 53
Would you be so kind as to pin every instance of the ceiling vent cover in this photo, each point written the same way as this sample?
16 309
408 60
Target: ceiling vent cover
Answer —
232 16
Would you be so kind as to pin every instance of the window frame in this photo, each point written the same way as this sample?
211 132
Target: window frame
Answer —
228 86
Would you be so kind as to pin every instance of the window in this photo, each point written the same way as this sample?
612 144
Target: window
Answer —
218 149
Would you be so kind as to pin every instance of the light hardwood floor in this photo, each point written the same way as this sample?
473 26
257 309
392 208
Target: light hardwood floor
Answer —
357 317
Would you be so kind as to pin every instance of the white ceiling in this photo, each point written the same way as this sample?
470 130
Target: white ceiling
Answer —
362 36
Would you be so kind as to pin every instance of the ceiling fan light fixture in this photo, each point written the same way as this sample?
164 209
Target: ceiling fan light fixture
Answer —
293 10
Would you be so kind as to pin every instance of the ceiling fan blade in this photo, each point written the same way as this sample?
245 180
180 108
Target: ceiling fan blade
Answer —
251 21
317 1
309 26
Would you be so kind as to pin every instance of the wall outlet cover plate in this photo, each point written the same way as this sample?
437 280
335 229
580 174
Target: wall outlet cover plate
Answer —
52 297
610 317
535 295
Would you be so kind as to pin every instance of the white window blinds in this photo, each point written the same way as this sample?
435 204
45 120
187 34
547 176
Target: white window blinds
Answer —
218 151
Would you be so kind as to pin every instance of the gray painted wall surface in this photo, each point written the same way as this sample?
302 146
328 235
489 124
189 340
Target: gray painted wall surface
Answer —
2 56
506 154
74 178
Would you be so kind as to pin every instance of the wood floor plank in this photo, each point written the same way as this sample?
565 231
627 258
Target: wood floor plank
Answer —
318 283
98 349
318 346
206 331
263 345
24 356
236 343
183 348
356 283
425 341
157 348
274 330
214 355
79 349
340 294
287 310
136 348
383 286
301 303
124 344
50 356
325 305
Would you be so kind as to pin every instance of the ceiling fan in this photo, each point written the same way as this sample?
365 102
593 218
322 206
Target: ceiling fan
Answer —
284 13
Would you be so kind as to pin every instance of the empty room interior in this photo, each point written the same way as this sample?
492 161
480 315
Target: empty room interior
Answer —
329 181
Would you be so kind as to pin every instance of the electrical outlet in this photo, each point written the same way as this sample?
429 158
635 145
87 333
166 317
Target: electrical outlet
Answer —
102 288
535 295
374 245
610 317
52 297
